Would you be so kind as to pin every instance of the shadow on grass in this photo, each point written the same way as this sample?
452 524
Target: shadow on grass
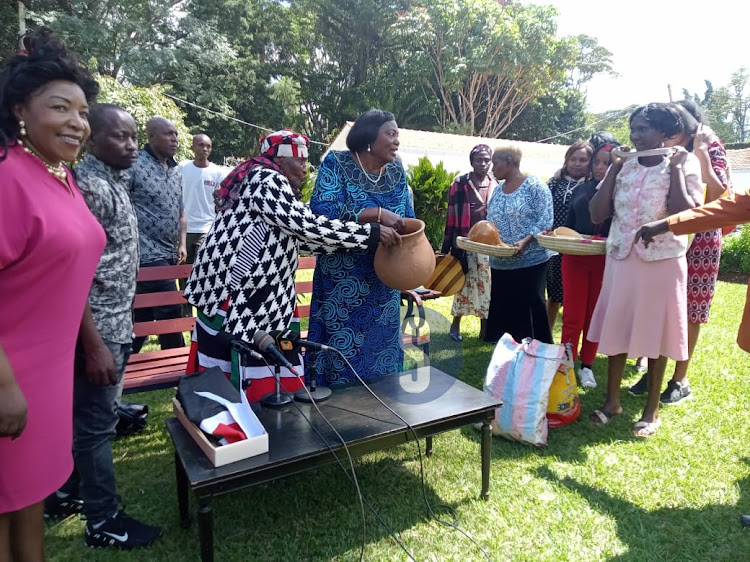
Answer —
712 532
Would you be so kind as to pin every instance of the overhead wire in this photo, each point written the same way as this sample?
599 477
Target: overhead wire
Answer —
590 125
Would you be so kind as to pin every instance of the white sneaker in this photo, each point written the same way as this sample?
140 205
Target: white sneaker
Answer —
586 376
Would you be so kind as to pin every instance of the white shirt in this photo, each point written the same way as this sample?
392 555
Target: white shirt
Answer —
198 186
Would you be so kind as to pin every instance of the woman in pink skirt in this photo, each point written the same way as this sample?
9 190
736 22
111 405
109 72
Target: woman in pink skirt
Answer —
50 245
642 304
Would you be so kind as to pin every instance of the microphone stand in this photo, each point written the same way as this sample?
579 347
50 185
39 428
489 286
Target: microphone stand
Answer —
276 399
315 394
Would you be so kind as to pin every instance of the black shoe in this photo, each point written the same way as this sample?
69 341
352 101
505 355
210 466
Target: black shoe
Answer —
640 388
675 393
121 531
56 507
745 520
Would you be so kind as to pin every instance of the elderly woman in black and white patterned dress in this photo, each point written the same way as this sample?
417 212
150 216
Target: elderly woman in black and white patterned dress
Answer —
243 277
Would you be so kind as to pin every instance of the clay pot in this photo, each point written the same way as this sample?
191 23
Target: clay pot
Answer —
409 265
485 232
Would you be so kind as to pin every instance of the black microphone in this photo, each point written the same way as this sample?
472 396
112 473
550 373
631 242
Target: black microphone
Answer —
265 343
243 347
289 339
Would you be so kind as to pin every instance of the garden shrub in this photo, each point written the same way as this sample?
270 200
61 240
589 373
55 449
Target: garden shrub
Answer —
735 252
431 185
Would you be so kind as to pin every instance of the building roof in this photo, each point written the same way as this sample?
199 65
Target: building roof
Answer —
453 150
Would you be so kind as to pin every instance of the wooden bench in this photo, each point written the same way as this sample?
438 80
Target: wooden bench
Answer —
153 370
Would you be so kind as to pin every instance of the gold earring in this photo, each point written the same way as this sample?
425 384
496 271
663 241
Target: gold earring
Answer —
22 126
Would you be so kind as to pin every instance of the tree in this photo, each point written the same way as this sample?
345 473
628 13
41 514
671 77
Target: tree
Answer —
143 104
487 61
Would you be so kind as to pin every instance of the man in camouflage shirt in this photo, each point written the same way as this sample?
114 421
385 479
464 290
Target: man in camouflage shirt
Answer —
105 337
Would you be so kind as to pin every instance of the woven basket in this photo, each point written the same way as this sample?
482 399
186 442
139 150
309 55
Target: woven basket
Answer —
488 249
575 246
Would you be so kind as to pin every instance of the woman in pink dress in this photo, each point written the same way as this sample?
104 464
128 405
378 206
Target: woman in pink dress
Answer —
50 245
641 309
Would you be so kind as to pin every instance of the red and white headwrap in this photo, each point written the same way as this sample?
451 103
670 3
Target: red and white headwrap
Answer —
285 143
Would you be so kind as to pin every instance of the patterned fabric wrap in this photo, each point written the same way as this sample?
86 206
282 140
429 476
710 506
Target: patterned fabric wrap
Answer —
458 221
479 149
285 143
210 347
474 297
226 195
351 309
250 254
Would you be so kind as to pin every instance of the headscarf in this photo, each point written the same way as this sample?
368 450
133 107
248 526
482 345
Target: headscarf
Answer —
479 149
284 143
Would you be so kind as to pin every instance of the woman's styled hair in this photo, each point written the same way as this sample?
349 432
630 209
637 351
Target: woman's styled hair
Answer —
695 110
44 59
600 138
689 124
508 152
575 147
365 129
604 147
664 117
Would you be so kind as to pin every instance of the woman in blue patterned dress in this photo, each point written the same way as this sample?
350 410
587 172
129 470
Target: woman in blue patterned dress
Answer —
351 309
520 208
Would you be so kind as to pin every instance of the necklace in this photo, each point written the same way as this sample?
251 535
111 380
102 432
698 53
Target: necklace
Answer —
377 179
57 171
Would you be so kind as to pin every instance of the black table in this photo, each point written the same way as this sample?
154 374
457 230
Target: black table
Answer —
366 426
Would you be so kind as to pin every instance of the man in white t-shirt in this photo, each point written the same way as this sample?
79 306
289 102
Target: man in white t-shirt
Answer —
199 179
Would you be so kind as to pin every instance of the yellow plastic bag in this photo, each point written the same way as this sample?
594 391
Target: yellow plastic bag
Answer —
564 406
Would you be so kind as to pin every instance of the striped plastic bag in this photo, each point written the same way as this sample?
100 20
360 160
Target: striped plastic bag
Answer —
520 375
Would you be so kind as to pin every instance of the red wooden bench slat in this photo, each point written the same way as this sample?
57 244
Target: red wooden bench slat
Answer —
160 272
303 287
307 262
147 300
161 354
152 380
158 327
303 310
158 365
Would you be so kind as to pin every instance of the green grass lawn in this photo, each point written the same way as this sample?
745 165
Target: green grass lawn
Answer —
595 493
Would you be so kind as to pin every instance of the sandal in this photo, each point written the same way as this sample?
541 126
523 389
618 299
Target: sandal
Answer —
602 417
643 428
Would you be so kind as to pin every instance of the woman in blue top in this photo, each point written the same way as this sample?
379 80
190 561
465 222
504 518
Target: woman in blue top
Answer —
351 309
520 208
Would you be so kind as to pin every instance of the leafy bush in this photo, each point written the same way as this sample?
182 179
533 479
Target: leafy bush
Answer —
143 104
735 252
431 185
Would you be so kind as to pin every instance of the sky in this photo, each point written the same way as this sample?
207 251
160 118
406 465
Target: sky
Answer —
659 42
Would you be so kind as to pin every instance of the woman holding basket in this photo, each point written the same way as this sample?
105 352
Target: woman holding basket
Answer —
642 304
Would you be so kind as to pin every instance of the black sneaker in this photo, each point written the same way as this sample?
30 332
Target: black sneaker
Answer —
121 531
56 507
640 388
676 392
